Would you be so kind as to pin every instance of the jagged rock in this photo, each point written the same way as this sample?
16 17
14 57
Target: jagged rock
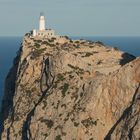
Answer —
77 90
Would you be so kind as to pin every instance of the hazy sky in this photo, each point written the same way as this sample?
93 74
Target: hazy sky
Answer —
72 17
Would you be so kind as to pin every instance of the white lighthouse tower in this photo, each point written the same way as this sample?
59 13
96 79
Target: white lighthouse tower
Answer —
42 22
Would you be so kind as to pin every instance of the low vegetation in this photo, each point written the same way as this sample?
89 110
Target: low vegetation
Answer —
76 46
115 48
49 43
60 77
99 62
37 45
58 137
37 52
88 54
89 122
49 123
64 89
77 69
77 42
100 43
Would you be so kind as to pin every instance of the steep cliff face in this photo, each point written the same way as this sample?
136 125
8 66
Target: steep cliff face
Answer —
128 126
71 90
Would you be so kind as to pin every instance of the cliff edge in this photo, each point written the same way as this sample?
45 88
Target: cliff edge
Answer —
71 90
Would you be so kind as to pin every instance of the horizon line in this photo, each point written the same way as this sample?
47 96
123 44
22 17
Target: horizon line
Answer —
81 35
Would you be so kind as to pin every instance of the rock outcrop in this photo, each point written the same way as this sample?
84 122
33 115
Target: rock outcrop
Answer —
71 90
128 126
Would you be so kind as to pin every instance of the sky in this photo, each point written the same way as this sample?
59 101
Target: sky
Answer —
71 17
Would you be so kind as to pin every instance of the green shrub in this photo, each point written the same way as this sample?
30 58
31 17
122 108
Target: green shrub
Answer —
58 137
49 123
91 46
88 54
52 45
38 41
115 48
83 42
77 69
71 76
66 37
60 77
37 52
37 45
99 62
51 40
46 43
77 42
89 122
30 46
28 91
22 86
100 43
76 124
64 89
27 34
71 41
77 46
46 135
71 66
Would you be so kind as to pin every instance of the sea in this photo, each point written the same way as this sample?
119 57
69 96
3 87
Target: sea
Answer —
10 45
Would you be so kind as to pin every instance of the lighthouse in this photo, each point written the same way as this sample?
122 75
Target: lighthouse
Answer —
42 32
42 22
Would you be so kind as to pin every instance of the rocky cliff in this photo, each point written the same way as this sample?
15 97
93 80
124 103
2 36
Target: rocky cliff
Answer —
71 90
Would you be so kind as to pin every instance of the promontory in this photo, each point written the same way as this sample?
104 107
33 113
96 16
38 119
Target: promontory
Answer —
71 90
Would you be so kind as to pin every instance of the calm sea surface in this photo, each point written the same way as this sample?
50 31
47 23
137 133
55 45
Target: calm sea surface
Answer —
10 45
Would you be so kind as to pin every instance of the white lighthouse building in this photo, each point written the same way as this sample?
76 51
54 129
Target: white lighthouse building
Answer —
42 31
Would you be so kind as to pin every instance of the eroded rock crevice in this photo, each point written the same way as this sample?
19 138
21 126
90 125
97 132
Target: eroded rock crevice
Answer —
26 134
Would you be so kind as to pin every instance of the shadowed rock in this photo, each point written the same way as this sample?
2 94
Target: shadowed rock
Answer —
126 58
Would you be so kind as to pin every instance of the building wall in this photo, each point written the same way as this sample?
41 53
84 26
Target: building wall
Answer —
46 33
34 32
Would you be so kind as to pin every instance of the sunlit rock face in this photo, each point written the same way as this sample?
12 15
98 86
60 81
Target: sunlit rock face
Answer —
71 90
